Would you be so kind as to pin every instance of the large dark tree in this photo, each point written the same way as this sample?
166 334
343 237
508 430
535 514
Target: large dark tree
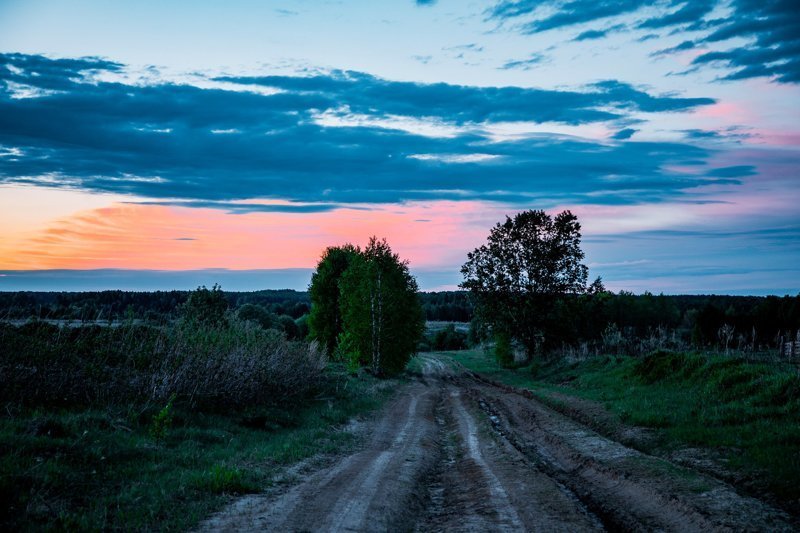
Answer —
519 276
381 310
325 320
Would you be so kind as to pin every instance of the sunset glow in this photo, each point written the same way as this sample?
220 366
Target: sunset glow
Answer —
162 149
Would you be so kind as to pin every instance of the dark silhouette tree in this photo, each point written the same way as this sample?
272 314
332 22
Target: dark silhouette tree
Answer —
381 310
518 277
206 306
325 320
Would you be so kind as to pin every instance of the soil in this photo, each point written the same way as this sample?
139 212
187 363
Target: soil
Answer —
454 452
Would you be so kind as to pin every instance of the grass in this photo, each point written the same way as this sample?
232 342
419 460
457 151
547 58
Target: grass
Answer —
102 469
748 413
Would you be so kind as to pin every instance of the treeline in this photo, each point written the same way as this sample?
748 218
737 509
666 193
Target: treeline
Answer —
634 324
756 321
208 358
122 305
453 306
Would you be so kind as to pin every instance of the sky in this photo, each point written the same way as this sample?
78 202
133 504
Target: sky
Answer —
166 144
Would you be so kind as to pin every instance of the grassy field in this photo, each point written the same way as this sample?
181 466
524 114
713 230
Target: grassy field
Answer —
104 469
748 414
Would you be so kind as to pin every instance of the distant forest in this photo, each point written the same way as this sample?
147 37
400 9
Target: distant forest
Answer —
754 320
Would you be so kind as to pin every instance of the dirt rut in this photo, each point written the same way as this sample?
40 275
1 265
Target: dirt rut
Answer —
454 453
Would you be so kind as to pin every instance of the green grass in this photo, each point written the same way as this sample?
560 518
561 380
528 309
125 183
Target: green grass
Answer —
748 412
91 470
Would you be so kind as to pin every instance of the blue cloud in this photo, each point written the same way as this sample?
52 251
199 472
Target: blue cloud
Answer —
524 64
685 45
157 141
689 12
624 134
771 28
459 104
563 14
599 34
738 171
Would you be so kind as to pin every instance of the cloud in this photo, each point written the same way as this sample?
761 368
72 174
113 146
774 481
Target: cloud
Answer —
599 34
524 64
685 45
158 142
771 29
237 208
625 134
737 171
690 12
562 14
362 94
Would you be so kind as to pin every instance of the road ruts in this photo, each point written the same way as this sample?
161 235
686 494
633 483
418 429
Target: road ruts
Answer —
453 452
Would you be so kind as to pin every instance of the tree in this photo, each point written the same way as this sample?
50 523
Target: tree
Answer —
325 321
256 313
380 308
517 278
206 306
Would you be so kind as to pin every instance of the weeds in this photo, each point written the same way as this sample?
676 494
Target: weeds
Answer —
207 366
747 412
99 469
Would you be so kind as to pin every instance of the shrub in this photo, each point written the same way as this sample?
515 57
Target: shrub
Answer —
503 349
205 365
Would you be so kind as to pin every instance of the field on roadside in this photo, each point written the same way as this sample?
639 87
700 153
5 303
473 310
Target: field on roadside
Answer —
108 469
739 418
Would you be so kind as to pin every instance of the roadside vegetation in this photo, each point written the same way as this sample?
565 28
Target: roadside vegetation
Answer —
154 426
740 415
546 329
365 308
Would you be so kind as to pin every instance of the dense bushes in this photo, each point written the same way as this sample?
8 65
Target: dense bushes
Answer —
365 307
723 378
204 365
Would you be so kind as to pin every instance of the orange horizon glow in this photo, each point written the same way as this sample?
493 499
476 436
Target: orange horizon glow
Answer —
152 237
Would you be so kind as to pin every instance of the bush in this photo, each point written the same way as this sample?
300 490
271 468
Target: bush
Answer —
227 365
449 339
503 349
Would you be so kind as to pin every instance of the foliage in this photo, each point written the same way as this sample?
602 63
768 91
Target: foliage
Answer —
380 308
258 314
325 320
447 306
162 421
79 469
347 351
206 306
208 367
449 339
744 412
527 265
503 349
644 322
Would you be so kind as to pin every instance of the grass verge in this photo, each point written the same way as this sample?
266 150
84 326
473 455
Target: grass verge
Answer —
747 413
166 468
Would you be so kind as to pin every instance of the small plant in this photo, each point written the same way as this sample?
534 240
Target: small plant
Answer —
162 421
347 351
725 334
503 349
221 479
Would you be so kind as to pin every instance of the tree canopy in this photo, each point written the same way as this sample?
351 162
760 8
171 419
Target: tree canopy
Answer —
518 276
367 301
325 320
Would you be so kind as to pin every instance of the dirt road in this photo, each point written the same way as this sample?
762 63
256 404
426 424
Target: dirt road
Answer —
452 452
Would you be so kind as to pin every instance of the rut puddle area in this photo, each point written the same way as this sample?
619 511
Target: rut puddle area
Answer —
452 452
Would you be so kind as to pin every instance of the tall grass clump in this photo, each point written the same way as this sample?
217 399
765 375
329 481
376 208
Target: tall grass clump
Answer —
207 366
143 427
